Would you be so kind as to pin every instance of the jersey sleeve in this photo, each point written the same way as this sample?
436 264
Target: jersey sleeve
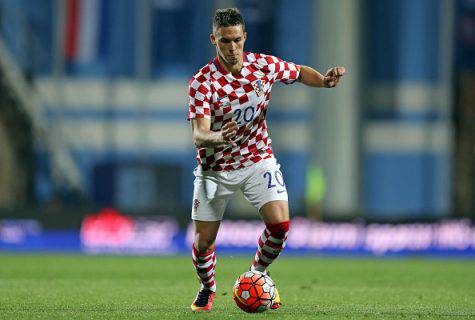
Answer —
199 98
286 72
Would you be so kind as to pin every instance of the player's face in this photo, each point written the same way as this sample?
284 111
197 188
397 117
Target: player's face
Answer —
229 42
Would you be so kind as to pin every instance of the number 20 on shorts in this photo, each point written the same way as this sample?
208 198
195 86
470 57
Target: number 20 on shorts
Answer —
277 177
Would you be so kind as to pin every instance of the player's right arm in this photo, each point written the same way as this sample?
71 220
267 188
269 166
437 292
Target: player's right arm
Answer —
204 137
199 114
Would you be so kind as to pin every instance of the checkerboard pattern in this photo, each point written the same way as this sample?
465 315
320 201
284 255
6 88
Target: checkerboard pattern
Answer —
221 96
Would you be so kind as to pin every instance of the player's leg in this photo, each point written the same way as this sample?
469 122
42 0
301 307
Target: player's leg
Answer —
204 257
204 260
209 203
275 215
265 189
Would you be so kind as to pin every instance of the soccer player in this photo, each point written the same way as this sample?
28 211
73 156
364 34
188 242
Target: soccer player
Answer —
228 102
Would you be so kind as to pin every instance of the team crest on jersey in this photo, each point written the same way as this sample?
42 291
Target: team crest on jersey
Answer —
224 101
258 87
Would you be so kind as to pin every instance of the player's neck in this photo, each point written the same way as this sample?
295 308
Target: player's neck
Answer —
234 69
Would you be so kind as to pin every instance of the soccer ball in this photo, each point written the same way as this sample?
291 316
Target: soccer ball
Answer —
254 292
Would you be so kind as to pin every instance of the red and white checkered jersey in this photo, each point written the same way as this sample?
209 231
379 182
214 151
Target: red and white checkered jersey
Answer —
221 96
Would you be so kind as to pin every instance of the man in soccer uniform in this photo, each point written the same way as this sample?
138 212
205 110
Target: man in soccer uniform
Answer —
228 102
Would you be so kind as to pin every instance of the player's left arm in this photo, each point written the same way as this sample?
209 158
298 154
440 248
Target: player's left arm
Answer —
313 78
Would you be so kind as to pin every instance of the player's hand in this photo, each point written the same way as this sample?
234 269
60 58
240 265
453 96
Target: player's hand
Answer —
228 131
333 76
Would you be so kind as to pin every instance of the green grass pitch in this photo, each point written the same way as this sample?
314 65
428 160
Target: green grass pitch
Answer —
108 287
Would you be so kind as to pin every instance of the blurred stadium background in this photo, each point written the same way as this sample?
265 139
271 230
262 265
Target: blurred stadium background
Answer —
96 153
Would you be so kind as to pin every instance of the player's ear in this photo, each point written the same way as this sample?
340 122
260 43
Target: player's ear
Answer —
212 39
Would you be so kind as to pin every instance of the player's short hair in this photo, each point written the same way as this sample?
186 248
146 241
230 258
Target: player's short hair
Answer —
227 18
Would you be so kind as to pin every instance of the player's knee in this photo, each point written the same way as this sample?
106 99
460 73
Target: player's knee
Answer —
279 230
204 245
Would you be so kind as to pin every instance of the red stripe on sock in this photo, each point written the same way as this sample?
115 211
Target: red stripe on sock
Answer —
201 259
270 255
260 261
202 254
208 278
279 230
203 270
209 285
274 245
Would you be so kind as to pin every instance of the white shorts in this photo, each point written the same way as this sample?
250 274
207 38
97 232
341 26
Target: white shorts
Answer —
260 183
